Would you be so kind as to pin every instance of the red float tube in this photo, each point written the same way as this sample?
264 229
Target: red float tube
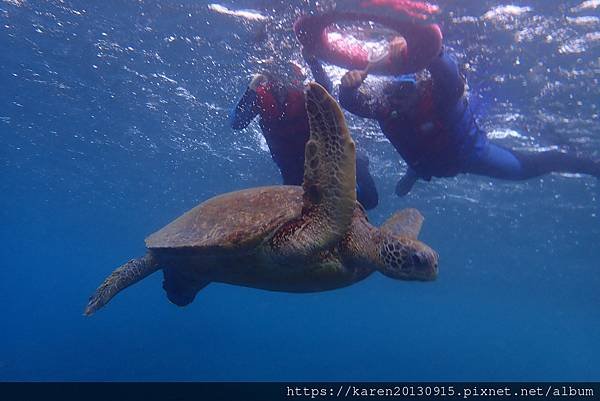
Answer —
424 42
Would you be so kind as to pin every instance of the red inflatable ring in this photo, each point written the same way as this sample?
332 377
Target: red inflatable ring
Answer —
424 42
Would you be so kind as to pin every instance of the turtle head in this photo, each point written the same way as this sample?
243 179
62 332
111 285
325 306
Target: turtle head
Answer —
403 258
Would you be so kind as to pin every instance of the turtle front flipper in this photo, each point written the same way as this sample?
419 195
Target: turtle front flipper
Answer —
406 223
126 275
329 182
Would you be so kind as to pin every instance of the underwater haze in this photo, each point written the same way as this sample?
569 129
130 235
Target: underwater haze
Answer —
114 121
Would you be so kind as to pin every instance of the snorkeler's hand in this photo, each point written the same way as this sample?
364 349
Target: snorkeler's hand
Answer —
257 79
398 50
353 79
406 183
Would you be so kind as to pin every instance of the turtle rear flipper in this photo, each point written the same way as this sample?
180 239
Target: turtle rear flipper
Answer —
405 223
329 184
126 275
181 288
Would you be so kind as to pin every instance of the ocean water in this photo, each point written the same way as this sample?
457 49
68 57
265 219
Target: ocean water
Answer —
113 121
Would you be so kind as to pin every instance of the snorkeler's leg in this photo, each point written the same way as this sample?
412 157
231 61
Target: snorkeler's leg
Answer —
292 172
539 163
498 162
406 183
495 161
366 191
248 107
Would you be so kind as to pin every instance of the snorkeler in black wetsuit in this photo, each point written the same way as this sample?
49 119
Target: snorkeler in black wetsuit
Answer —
429 122
284 124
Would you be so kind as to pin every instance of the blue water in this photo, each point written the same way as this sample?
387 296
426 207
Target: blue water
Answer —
113 121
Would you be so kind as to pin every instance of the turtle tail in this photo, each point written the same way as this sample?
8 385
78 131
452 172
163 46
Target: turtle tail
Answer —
126 275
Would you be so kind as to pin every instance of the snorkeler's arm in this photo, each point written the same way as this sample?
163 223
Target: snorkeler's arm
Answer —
317 71
448 84
361 100
245 111
248 107
406 183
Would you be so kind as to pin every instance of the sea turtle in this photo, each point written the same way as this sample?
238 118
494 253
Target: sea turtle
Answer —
283 238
